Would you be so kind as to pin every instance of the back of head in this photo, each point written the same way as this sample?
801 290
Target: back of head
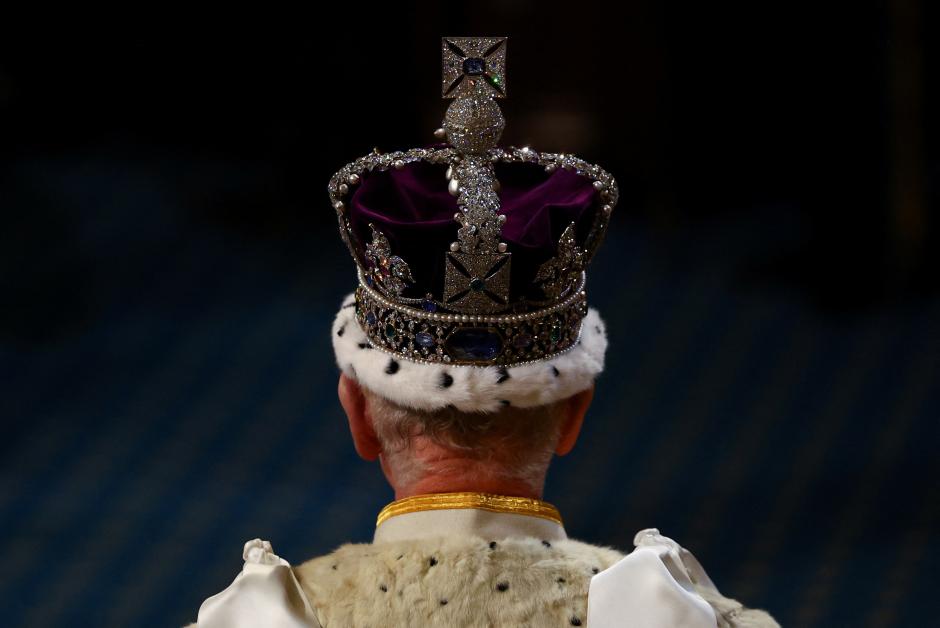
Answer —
513 444
469 332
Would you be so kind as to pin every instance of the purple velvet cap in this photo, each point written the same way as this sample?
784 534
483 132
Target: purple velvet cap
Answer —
414 210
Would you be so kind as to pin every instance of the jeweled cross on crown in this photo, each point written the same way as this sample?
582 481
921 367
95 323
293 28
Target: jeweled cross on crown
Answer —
473 65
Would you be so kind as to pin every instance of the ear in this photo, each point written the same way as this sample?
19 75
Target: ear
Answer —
360 424
575 408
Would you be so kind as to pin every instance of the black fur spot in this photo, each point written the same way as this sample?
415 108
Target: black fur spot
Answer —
597 328
505 402
349 305
492 544
595 570
443 602
383 588
503 375
546 544
432 561
502 586
575 621
400 557
392 367
555 371
561 581
364 345
341 330
334 567
446 380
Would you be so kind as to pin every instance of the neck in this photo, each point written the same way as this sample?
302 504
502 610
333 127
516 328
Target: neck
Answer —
495 486
440 471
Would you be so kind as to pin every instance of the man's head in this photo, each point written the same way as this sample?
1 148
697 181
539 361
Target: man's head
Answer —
470 323
507 451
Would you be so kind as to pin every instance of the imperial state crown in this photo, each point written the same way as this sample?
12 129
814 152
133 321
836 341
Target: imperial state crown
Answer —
470 254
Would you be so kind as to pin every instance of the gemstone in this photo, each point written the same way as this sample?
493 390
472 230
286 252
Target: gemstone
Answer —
389 331
522 341
424 339
555 334
474 66
474 344
477 285
370 318
429 305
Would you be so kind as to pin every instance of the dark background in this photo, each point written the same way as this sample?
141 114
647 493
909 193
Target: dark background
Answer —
169 268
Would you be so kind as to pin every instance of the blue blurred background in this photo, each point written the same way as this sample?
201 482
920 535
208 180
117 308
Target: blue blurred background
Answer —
169 268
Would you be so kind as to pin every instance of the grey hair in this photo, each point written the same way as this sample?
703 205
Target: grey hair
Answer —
515 443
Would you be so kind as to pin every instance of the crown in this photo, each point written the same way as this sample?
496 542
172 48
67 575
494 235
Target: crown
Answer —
469 253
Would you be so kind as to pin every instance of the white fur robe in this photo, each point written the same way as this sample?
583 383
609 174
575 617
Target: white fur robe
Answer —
467 581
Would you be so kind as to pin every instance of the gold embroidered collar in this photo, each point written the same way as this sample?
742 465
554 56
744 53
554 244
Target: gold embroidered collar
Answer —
478 501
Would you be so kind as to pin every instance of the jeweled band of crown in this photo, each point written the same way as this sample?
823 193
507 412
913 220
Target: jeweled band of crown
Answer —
470 339
474 320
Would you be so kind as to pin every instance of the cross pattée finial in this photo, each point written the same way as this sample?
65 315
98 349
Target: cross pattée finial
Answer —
473 66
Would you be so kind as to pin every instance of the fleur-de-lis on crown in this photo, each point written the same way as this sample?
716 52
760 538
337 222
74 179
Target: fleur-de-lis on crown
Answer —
556 276
389 272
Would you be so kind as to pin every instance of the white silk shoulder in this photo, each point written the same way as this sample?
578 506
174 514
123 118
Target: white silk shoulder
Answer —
652 587
265 594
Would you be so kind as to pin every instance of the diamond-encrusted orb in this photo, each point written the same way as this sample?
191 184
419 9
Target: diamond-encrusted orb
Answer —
474 344
474 124
474 66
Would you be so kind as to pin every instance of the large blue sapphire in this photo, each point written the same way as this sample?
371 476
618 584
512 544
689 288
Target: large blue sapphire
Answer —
474 66
424 339
474 344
